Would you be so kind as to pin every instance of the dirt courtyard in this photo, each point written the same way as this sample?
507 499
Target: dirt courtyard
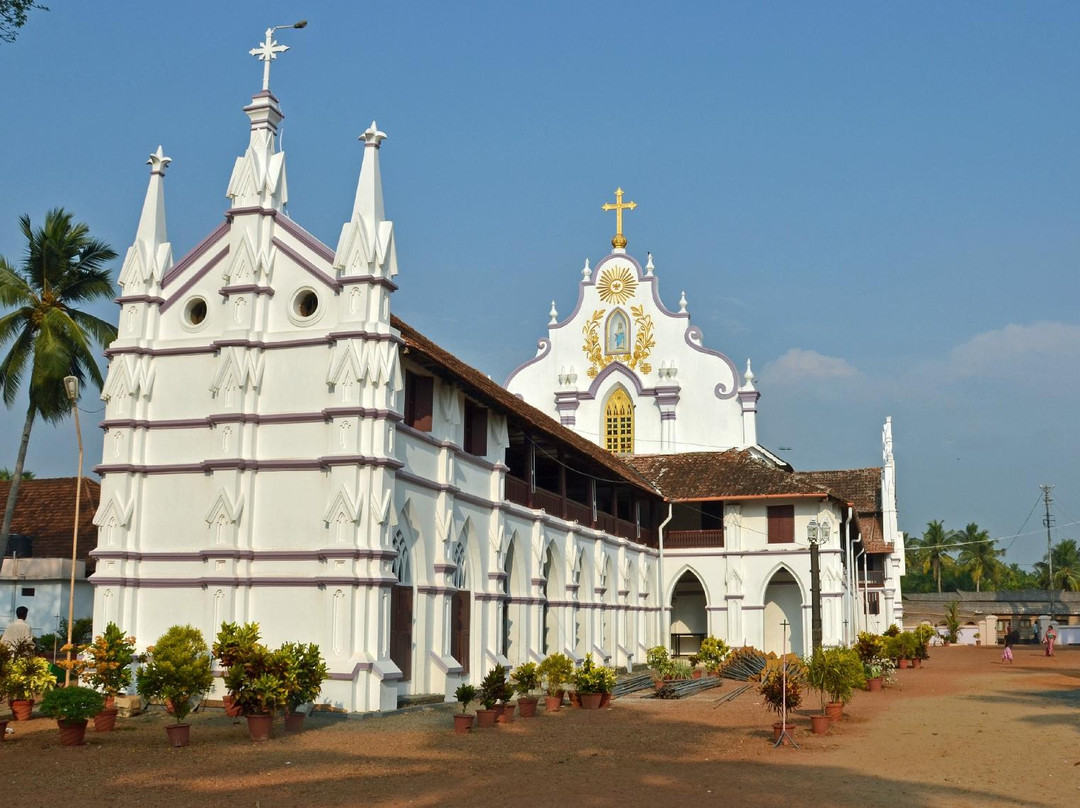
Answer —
963 731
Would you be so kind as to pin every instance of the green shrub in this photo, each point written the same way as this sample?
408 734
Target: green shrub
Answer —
465 694
177 670
712 653
72 703
526 678
555 671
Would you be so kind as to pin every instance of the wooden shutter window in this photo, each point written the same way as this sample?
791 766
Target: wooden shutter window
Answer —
475 429
459 629
781 524
401 625
419 400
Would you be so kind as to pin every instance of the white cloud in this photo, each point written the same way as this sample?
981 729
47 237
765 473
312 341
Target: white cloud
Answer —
799 366
1016 349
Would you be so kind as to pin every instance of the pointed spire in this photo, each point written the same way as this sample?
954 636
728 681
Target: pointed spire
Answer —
682 303
368 204
553 314
151 254
366 245
586 271
748 377
649 268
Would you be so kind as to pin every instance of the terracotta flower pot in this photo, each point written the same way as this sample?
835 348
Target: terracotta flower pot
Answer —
697 673
507 715
875 684
605 700
294 722
835 710
485 719
778 728
553 703
498 710
232 709
575 698
916 663
72 733
591 701
110 702
462 723
527 707
22 708
902 663
260 727
105 721
179 734
819 724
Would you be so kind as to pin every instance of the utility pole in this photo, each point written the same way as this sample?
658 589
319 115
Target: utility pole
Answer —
1048 520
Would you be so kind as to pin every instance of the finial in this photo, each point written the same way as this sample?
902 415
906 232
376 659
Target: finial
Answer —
649 268
682 303
372 136
586 271
158 162
269 49
749 376
553 314
619 240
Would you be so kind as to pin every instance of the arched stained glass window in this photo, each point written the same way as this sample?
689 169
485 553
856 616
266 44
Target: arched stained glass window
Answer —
619 423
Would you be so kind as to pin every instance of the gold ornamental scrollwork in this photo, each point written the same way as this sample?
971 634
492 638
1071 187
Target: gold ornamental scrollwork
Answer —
644 342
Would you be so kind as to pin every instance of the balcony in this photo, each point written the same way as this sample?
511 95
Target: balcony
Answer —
693 539
517 491
871 578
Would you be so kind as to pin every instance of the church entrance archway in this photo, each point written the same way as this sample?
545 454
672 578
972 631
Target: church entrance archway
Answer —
689 620
783 602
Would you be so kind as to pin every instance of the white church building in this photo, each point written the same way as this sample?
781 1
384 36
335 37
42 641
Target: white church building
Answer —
281 448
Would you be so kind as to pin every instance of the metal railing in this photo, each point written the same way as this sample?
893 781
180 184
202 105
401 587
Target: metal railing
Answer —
689 539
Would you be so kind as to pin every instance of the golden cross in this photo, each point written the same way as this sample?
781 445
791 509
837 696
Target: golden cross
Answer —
619 241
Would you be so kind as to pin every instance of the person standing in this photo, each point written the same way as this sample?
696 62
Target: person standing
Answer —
1051 636
18 629
1007 654
1035 630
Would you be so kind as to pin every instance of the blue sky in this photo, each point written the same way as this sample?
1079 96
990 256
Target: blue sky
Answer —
876 202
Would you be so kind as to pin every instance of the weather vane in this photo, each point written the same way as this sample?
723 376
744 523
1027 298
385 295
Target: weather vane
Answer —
269 49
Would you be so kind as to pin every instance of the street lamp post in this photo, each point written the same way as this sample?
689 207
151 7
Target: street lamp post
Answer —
817 534
71 387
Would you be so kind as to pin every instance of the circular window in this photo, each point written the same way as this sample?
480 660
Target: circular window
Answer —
306 303
195 311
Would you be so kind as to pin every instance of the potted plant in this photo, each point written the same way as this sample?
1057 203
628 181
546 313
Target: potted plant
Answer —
491 687
952 622
5 660
232 641
909 648
840 672
694 660
260 682
72 707
782 690
464 695
659 661
712 654
592 683
505 712
815 678
555 671
27 676
177 670
106 667
526 681
304 673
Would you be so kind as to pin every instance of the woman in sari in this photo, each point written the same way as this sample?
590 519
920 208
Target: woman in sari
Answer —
1051 635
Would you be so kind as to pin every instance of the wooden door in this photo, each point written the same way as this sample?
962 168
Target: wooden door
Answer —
401 628
460 619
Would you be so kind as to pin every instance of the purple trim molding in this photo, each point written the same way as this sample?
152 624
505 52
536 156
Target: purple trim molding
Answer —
244 464
438 660
328 414
694 333
485 596
329 339
179 293
349 677
305 238
667 416
200 248
139 299
204 582
244 289
306 265
545 348
245 555
431 589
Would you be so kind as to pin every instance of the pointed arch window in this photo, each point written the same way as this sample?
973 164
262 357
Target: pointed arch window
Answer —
619 423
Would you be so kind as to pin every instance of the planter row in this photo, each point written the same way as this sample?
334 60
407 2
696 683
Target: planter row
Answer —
504 713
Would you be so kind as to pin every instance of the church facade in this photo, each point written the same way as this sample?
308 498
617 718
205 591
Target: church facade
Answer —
281 448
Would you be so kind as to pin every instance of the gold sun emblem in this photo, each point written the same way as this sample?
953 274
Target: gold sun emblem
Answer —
617 285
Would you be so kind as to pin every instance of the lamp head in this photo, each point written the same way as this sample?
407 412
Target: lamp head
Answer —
301 24
71 387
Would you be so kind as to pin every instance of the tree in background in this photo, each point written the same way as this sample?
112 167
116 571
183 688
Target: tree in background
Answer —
63 267
931 553
5 475
979 554
1066 557
13 17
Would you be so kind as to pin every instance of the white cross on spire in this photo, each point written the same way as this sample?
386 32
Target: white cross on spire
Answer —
266 53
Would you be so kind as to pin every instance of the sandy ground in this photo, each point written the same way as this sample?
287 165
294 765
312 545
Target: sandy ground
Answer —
963 731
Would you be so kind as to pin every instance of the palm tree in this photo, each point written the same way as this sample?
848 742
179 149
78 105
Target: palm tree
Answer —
980 554
930 551
63 267
5 475
1066 557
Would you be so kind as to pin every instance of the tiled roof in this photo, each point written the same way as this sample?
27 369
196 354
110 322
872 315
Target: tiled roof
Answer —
734 474
45 510
498 397
862 488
